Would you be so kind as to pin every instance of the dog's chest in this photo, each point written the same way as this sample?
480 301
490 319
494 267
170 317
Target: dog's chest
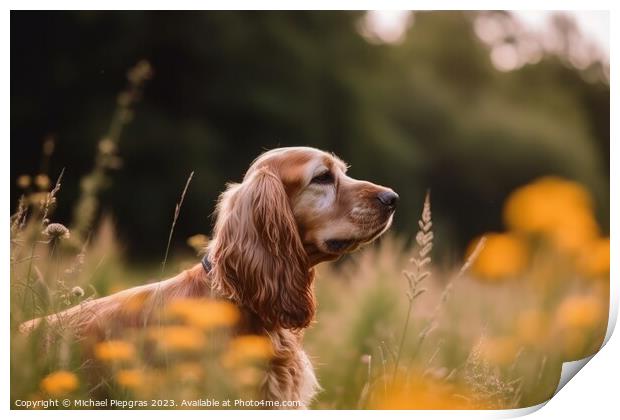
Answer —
309 385
290 376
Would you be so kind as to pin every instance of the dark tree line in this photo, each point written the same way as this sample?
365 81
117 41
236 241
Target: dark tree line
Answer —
431 112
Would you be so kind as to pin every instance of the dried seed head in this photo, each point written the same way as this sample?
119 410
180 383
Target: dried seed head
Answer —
140 72
124 99
77 291
48 146
57 231
107 146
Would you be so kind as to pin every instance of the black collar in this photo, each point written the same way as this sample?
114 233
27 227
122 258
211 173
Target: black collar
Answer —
206 264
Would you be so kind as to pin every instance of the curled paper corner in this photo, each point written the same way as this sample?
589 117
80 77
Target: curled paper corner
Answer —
569 370
519 412
613 312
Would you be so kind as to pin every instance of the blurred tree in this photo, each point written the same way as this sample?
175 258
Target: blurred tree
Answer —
431 112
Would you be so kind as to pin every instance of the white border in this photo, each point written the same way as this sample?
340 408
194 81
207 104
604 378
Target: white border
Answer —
594 393
312 5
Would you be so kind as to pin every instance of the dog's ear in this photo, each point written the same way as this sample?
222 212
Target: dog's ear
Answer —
258 255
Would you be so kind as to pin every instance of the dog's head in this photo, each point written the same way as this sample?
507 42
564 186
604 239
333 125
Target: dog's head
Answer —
334 213
295 208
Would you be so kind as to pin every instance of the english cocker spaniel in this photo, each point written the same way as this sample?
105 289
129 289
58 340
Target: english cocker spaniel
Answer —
295 208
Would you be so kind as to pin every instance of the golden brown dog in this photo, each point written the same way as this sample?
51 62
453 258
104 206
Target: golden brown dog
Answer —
295 208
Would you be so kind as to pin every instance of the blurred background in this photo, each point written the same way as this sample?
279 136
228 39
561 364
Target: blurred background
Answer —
470 105
504 117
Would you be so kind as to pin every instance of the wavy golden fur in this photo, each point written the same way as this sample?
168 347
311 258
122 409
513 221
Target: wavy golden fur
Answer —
295 208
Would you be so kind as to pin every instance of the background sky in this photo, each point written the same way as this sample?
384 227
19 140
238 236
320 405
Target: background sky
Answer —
593 24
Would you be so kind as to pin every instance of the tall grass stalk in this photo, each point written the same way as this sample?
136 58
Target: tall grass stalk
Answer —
444 298
424 240
177 212
50 199
107 159
367 359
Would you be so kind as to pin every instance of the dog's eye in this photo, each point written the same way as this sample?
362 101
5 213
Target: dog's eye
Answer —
324 178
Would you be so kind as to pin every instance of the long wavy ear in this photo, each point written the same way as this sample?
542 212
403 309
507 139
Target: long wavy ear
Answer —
257 253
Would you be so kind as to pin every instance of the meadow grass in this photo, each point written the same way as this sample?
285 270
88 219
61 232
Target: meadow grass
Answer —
383 338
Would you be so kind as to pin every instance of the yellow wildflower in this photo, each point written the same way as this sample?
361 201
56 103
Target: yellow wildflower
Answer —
204 313
574 228
503 255
595 258
559 209
130 378
423 392
248 348
59 383
114 350
580 312
178 338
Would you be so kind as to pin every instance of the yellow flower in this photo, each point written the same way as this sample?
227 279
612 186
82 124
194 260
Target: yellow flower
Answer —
178 338
59 383
130 378
532 327
595 258
422 392
499 350
248 348
559 209
580 312
504 255
204 313
114 350
574 228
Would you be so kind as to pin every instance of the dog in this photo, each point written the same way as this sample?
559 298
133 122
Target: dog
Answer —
295 208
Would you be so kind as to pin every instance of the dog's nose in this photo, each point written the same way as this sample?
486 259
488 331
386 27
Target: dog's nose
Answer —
388 198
